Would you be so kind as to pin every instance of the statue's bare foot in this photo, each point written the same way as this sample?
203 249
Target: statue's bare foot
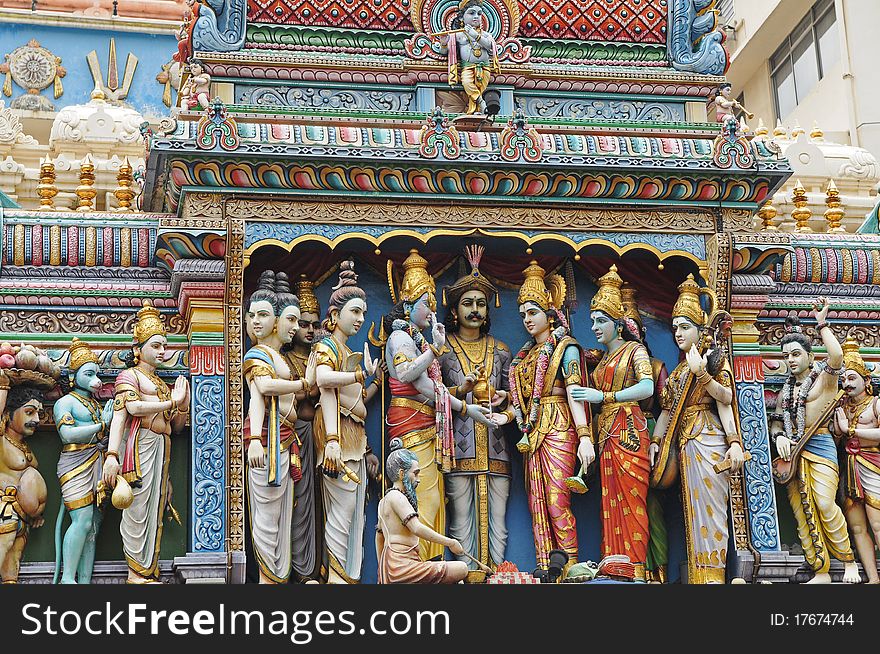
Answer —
851 573
820 578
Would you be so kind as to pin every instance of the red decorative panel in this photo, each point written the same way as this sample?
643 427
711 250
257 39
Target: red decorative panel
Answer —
632 21
361 14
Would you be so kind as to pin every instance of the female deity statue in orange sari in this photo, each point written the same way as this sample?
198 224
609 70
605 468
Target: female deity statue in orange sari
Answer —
622 378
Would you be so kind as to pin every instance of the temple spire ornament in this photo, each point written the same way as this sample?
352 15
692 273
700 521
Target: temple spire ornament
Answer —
46 188
801 213
767 213
86 191
834 213
124 192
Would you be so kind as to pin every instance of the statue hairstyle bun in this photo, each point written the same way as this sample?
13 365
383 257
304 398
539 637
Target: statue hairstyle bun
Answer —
285 298
395 444
265 290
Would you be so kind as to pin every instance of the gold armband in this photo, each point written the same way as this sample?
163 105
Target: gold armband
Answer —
66 419
608 397
124 397
584 431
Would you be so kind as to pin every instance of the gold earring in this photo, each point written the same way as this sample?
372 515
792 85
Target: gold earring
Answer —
137 358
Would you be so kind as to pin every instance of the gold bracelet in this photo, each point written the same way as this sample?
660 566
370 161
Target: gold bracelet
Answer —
359 376
463 408
376 382
331 438
307 387
511 416
364 393
608 397
584 430
433 349
702 377
112 453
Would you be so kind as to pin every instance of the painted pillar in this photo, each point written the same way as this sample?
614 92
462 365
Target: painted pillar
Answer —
201 304
758 479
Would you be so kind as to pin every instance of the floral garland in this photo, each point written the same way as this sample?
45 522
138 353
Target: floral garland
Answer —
547 348
801 409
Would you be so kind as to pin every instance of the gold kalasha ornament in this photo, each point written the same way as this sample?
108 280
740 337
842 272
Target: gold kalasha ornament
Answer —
308 301
86 190
46 188
149 324
834 213
608 298
124 193
688 303
801 213
417 281
767 213
80 354
852 360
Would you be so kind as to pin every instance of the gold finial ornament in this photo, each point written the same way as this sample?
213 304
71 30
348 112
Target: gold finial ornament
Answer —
547 292
308 301
816 134
630 306
46 188
608 298
762 128
124 193
417 281
80 354
688 303
834 213
86 190
801 212
852 360
767 213
796 131
149 324
779 131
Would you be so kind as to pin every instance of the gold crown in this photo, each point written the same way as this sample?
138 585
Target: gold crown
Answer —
305 291
417 281
608 298
545 292
688 303
630 307
461 5
852 360
80 354
149 323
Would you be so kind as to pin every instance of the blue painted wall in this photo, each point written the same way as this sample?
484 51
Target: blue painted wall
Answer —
507 326
73 44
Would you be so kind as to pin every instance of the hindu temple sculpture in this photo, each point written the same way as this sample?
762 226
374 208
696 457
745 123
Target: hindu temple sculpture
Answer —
339 432
83 426
697 432
306 528
857 423
400 530
476 370
621 379
658 541
807 460
145 413
420 413
472 54
273 456
22 488
196 92
724 106
555 426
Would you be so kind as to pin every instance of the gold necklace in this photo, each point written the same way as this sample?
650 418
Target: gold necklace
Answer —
21 447
859 409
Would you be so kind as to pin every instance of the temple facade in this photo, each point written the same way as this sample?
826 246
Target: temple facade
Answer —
330 131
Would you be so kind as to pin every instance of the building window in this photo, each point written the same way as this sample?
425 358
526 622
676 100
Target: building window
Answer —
804 57
727 10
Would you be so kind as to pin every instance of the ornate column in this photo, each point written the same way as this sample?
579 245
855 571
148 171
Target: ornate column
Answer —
200 289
